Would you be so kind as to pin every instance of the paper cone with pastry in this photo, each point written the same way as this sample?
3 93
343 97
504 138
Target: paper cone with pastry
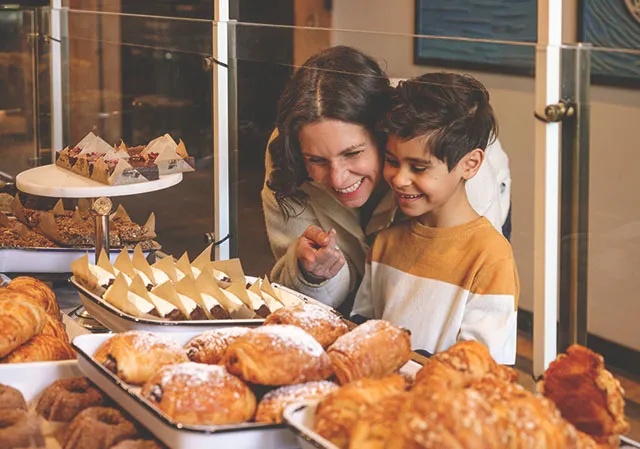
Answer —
207 285
163 309
271 303
189 308
587 394
277 355
374 349
320 322
250 299
213 309
194 393
135 356
122 298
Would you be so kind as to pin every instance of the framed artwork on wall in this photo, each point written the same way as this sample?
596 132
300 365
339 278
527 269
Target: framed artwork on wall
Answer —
499 20
609 25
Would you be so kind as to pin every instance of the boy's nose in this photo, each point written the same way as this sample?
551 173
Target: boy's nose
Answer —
400 179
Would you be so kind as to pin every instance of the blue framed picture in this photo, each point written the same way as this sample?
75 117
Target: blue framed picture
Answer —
612 24
501 20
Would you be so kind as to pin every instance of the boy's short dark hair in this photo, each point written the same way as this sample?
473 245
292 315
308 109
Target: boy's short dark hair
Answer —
451 110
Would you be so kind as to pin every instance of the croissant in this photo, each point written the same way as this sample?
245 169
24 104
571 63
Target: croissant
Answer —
39 292
55 328
374 349
277 355
436 376
524 420
449 419
41 348
19 321
474 360
376 424
338 412
210 346
587 395
319 321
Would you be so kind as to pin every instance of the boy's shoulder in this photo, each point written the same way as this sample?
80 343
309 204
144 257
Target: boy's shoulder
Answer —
489 241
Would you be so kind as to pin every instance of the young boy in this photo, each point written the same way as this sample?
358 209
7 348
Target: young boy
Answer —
446 274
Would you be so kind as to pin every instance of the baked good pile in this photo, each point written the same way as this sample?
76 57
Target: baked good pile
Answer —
31 329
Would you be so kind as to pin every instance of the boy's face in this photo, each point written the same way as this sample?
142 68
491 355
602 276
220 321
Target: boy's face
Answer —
422 183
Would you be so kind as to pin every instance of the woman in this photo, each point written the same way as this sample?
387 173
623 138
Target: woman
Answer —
324 197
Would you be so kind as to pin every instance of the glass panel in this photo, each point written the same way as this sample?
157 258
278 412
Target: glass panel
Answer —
614 215
268 55
133 79
17 76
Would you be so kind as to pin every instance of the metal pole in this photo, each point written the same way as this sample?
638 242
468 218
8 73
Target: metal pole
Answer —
102 208
547 187
58 24
574 226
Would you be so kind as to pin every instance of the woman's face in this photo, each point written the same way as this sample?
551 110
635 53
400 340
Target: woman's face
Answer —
343 157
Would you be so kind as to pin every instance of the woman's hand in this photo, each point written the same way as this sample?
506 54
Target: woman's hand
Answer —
318 254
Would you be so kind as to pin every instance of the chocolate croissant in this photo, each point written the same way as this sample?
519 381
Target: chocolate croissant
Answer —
195 393
277 355
374 349
319 321
273 403
135 356
209 347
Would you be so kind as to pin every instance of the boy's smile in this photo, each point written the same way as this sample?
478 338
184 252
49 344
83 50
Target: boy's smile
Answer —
423 185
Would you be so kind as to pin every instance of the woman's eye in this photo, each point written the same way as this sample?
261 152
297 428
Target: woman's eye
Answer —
316 161
417 169
353 153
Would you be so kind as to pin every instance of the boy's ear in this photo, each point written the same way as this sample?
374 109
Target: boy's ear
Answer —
471 162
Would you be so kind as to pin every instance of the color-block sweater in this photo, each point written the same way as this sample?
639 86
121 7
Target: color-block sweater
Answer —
444 285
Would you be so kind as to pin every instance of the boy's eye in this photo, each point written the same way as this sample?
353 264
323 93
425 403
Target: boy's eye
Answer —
418 169
391 162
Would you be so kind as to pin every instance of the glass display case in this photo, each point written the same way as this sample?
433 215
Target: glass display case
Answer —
130 78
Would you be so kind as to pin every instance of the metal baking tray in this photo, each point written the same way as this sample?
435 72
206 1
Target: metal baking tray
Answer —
118 321
175 434
46 260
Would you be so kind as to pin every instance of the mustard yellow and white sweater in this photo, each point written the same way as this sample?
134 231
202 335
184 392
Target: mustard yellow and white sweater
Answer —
444 285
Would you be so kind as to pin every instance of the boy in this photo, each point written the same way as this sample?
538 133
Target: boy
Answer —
446 274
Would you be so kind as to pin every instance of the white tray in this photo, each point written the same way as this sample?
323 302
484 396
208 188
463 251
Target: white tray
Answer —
176 435
53 181
118 321
301 417
32 378
46 260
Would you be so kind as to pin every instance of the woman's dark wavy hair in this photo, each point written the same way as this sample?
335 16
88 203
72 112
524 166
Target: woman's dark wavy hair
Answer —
452 111
339 83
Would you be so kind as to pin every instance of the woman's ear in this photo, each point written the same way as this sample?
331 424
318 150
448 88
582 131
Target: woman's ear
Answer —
471 162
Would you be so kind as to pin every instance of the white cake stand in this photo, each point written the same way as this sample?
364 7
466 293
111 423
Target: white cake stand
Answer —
54 181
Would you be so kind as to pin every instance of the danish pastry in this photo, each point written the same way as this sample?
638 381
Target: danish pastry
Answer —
273 403
320 322
277 355
194 393
135 356
210 346
374 349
